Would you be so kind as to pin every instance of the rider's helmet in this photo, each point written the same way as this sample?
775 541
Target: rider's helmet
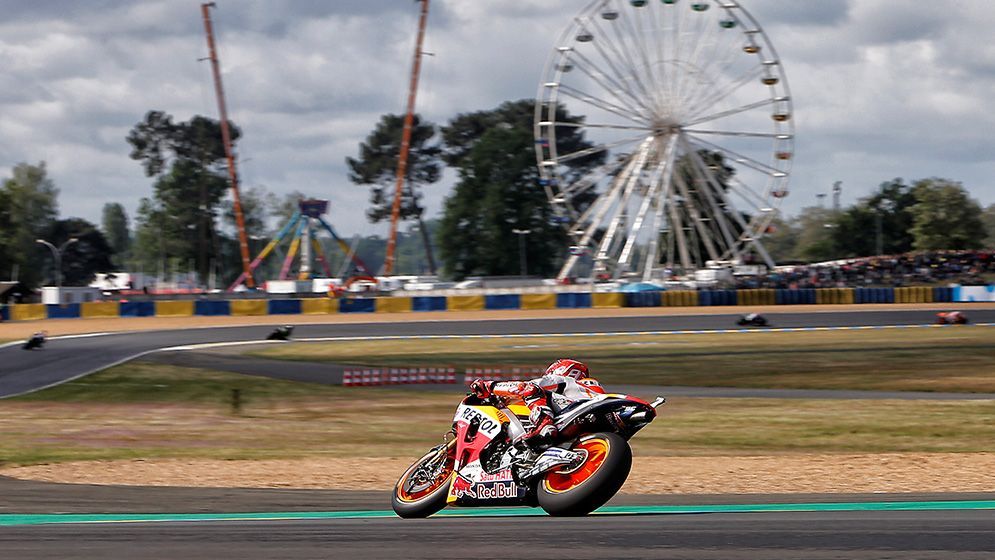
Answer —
568 368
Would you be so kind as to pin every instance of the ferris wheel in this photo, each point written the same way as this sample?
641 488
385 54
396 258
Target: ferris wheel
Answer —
689 137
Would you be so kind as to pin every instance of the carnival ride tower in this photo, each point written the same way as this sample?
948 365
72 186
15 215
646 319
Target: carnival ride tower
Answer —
302 229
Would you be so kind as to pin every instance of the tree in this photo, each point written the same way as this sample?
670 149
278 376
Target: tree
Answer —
498 191
887 212
988 219
115 229
945 216
781 239
496 194
189 163
6 235
377 167
30 206
84 258
815 238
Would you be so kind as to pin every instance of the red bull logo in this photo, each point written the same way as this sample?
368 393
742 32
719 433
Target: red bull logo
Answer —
462 486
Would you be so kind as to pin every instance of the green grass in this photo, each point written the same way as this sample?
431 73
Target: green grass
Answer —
955 359
156 411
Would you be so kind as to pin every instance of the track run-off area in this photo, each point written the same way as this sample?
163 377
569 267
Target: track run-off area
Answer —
728 527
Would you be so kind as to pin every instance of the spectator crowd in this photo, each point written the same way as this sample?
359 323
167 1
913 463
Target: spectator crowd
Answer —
910 269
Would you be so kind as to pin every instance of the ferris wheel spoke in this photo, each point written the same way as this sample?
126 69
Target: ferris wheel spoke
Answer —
591 179
584 97
615 55
618 91
742 134
688 86
596 125
719 94
598 148
733 111
717 212
642 48
623 55
740 158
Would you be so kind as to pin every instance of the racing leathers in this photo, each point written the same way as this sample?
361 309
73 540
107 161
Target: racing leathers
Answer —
537 393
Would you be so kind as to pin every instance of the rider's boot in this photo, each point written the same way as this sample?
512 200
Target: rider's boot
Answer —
543 428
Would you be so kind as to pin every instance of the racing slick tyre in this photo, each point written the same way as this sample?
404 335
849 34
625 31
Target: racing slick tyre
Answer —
422 489
582 489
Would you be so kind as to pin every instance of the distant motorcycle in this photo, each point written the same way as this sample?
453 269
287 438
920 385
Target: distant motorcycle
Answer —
951 318
752 320
37 340
281 333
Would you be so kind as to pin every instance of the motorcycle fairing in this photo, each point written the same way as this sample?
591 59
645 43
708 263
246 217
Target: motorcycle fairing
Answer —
476 426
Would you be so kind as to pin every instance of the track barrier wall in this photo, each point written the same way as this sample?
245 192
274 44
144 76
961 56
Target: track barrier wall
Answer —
285 306
98 309
244 307
428 303
4 313
173 308
568 300
393 305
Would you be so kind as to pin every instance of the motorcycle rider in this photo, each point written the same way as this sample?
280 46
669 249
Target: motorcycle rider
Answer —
565 377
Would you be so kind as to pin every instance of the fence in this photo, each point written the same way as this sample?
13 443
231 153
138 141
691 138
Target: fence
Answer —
565 300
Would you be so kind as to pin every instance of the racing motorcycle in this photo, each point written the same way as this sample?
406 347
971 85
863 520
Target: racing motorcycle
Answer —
483 461
752 320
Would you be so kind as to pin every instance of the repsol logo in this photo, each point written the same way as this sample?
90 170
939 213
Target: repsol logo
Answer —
487 426
498 490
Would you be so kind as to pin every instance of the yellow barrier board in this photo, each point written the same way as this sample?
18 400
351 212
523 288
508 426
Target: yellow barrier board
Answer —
393 304
27 312
243 307
173 308
538 301
607 299
99 309
745 297
319 306
465 303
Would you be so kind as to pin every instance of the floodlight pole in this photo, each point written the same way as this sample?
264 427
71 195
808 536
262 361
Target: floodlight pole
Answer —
57 255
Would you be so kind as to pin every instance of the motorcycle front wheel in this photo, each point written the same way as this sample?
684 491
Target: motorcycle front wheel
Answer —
584 488
422 489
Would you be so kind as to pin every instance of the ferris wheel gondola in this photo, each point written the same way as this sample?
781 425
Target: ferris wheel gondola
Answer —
688 105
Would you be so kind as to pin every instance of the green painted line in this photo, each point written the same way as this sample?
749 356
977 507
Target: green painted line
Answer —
13 519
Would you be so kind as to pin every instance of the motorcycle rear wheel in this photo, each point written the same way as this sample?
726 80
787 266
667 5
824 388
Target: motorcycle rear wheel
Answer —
412 499
583 489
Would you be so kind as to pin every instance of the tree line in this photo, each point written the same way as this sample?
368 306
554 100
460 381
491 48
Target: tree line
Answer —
924 215
186 223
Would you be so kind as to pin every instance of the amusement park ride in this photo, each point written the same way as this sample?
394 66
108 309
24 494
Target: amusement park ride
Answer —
690 141
301 230
304 222
688 108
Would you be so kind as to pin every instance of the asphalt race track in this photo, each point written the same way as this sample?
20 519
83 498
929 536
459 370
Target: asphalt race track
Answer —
66 358
955 531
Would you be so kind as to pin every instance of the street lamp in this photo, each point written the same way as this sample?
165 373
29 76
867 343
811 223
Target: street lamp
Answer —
57 254
521 248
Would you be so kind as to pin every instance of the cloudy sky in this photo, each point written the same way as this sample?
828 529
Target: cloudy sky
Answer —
881 88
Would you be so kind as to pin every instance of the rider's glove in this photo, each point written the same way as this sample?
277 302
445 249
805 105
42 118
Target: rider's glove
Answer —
481 388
